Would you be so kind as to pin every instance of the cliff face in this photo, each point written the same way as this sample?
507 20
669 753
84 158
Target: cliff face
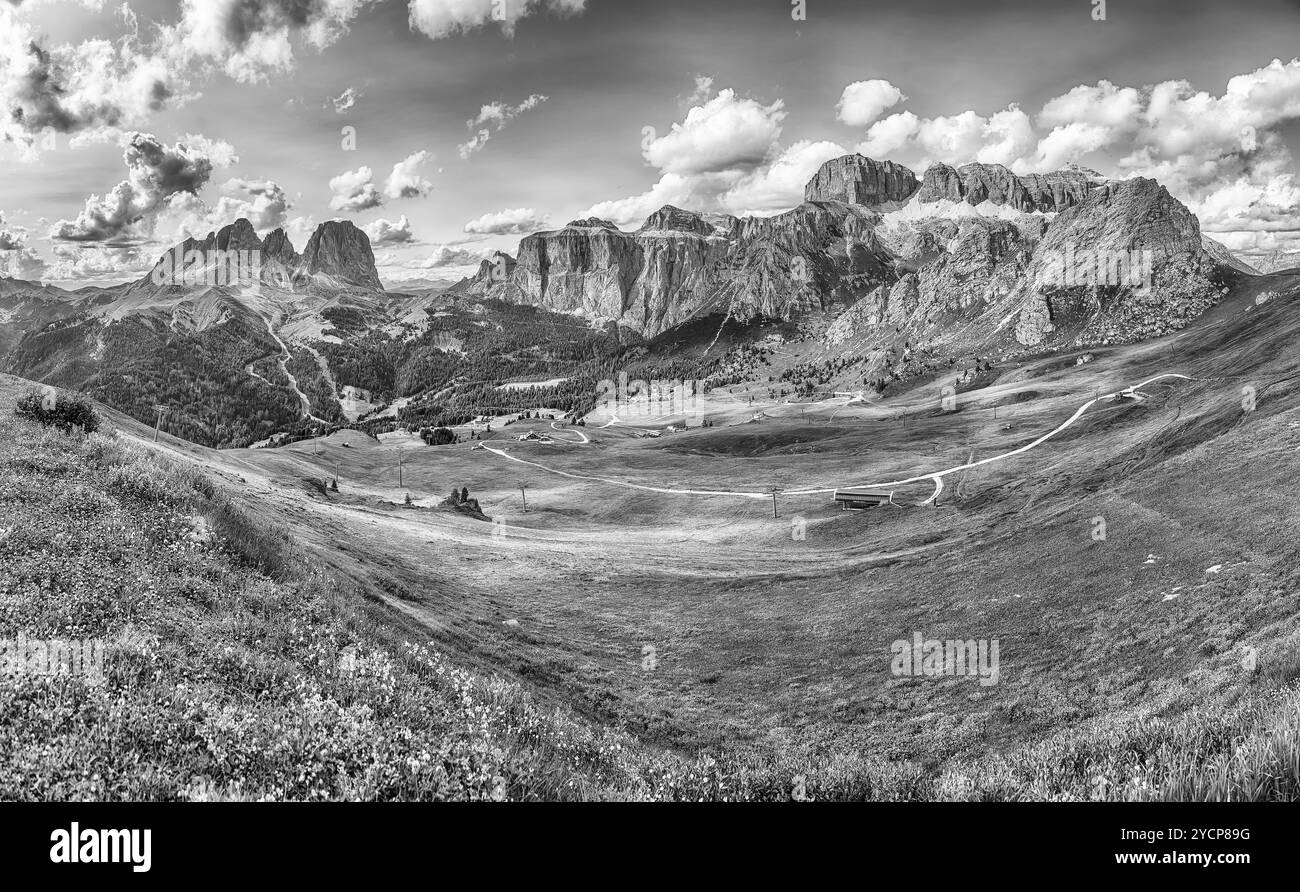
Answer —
859 180
973 254
341 252
682 264
1127 263
977 183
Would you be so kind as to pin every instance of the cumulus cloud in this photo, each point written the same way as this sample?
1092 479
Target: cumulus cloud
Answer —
252 39
493 118
445 256
17 260
101 264
1003 138
517 221
863 102
779 186
725 133
440 18
262 202
98 82
354 190
22 263
724 155
386 232
156 173
1222 155
11 239
67 88
122 82
405 182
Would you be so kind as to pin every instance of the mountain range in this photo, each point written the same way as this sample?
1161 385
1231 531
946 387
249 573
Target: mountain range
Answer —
896 274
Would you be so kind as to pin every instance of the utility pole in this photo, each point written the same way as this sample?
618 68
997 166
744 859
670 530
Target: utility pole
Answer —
524 496
774 492
161 410
399 467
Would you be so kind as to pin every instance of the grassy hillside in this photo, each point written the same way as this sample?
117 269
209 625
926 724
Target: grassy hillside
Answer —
241 666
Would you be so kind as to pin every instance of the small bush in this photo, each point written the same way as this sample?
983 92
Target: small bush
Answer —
58 409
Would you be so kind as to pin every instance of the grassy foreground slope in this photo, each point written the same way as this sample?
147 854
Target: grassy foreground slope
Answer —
237 668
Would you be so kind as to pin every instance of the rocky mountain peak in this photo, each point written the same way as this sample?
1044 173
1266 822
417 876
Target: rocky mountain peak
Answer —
591 223
857 179
342 251
238 236
277 246
977 183
674 219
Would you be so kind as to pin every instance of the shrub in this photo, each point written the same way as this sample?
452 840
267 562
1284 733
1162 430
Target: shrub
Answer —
58 409
439 436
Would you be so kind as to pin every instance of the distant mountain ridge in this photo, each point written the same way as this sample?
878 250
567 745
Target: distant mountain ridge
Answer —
897 275
958 255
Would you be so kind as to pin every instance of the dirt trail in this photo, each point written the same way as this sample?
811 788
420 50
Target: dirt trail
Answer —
285 356
1133 391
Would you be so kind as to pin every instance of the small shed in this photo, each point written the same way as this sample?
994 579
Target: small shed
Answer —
861 499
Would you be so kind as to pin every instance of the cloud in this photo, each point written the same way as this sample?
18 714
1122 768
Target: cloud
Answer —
345 100
262 202
724 155
97 264
441 18
445 256
1003 138
780 185
518 221
354 190
404 182
97 82
11 239
493 118
156 172
724 134
863 102
386 232
123 82
252 39
67 88
17 260
22 263
702 93
1222 155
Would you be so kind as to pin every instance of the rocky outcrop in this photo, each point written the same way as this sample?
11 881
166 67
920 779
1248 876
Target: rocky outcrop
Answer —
1225 257
1125 264
238 236
681 264
977 183
495 270
856 179
278 247
341 252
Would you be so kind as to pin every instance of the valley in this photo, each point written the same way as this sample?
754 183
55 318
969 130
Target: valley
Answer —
772 634
652 427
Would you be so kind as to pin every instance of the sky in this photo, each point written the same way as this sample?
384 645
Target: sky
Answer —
450 128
